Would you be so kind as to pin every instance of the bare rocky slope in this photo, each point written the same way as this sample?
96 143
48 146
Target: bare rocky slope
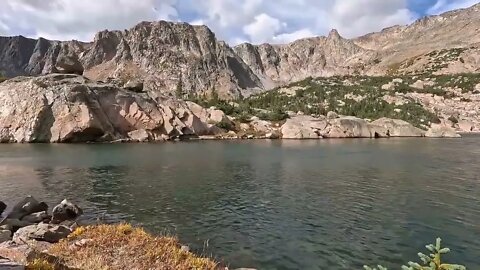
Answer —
66 108
177 57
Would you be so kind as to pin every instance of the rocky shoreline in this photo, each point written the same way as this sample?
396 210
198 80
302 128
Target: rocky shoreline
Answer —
28 230
32 238
69 108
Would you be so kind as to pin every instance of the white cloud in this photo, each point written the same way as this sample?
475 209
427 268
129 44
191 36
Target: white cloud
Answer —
354 18
289 37
235 21
263 28
446 5
68 19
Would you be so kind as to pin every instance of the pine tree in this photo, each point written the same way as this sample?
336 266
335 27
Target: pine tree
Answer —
215 97
430 262
179 90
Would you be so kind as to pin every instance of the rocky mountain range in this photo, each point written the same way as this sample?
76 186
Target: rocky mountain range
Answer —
169 57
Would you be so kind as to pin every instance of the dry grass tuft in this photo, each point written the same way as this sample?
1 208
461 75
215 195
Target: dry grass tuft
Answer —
124 247
39 264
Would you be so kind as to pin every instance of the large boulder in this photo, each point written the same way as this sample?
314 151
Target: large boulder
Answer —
27 206
442 131
70 108
348 127
261 126
66 210
69 64
41 232
140 135
20 253
465 126
395 128
303 127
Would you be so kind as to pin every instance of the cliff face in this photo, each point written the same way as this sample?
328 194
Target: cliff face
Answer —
170 56
71 108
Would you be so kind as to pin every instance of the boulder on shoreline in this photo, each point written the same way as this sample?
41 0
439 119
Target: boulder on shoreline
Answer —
308 127
27 206
442 131
66 210
397 128
30 219
41 232
64 108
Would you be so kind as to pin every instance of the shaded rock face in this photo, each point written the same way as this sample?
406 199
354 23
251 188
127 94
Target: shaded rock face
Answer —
165 55
70 108
3 206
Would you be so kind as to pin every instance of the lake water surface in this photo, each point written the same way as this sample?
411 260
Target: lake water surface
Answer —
327 204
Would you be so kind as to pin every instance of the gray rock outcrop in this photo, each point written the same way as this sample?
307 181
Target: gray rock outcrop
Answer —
308 127
41 232
70 108
386 127
442 131
27 206
303 127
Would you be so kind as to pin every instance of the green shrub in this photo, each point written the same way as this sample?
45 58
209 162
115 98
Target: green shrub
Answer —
430 262
244 118
2 78
453 119
277 115
224 125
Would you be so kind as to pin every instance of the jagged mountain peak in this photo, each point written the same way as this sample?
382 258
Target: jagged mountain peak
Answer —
166 55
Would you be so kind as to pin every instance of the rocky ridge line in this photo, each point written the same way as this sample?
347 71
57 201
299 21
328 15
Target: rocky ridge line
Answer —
170 56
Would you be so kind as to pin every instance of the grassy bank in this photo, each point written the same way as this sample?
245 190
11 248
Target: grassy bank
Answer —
119 247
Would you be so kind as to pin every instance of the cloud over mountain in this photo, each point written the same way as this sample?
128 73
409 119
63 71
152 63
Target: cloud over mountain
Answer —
235 21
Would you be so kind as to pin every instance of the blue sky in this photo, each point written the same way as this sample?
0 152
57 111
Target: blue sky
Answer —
236 21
